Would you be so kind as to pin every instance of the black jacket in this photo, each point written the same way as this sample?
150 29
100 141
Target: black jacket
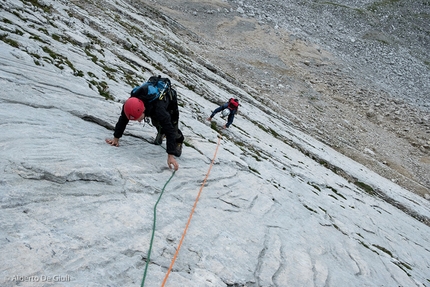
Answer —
160 112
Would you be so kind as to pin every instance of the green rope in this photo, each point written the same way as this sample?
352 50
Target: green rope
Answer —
153 229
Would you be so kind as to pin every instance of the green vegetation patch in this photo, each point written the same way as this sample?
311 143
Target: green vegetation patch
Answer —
403 266
35 3
383 249
37 38
314 186
9 41
19 32
59 38
58 59
93 57
253 170
43 30
214 126
365 187
103 89
336 192
7 21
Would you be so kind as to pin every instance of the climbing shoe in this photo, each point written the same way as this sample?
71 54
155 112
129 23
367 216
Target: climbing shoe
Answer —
178 151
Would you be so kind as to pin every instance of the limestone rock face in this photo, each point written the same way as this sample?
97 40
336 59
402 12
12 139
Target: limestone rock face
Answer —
279 207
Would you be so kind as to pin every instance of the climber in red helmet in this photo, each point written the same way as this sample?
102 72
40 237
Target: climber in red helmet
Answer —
164 114
134 109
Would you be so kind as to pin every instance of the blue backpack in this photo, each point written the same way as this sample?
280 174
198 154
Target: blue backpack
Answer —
153 89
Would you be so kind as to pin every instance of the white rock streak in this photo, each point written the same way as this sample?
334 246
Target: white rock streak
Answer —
78 211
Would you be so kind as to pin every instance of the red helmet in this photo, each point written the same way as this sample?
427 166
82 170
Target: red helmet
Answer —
133 108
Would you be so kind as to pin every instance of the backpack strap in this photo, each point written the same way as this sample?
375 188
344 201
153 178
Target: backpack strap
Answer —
153 89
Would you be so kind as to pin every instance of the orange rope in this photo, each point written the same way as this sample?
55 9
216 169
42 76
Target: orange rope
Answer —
191 215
